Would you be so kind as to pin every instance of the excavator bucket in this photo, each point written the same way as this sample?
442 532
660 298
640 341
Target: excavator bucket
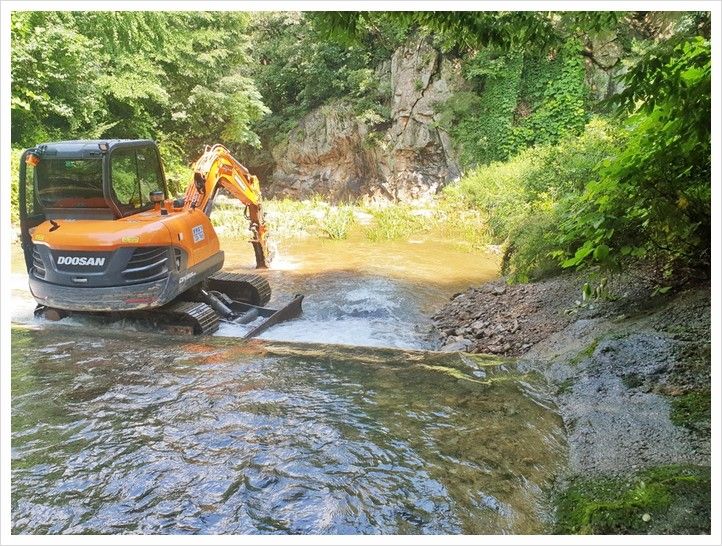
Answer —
248 313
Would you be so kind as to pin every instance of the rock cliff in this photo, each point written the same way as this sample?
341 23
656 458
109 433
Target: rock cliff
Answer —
339 154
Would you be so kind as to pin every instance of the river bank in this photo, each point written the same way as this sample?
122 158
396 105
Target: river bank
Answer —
630 374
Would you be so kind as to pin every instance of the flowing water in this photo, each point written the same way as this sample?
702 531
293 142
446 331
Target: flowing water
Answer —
123 431
357 292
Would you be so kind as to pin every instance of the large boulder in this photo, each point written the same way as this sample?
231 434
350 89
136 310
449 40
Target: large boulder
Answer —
324 155
335 153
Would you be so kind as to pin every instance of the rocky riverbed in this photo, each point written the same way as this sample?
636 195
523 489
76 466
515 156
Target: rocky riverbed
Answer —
630 374
497 318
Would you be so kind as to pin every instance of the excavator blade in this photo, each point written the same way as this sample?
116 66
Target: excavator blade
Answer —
247 313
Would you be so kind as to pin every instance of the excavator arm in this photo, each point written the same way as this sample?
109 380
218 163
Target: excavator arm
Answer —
217 168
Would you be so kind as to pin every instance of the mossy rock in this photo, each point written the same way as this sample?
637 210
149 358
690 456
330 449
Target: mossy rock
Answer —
692 410
585 353
671 499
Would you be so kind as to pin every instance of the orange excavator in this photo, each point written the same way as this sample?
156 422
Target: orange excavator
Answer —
101 235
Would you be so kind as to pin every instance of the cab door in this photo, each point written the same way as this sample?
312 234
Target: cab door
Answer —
31 214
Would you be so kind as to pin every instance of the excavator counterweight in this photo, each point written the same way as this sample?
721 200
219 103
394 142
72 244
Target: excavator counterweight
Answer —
101 235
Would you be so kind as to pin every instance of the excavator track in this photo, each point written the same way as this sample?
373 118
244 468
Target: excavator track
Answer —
187 317
244 287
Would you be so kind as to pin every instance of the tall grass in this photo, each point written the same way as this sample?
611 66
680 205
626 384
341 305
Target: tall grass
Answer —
337 222
394 222
460 224
498 191
288 219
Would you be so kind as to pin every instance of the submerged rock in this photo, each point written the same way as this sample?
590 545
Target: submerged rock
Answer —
457 344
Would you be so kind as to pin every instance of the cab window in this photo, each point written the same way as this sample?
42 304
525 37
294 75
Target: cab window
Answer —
149 174
134 173
68 183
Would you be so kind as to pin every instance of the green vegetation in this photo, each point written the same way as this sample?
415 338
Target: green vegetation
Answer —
298 68
394 222
646 503
336 223
643 194
585 353
558 177
525 198
518 101
178 77
289 219
652 199
692 410
630 188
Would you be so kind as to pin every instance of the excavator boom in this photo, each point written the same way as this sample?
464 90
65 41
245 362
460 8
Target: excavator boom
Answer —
217 168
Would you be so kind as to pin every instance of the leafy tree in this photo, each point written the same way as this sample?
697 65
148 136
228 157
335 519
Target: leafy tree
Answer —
178 77
54 73
653 199
508 30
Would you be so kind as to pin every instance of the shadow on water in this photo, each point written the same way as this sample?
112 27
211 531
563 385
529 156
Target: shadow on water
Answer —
136 433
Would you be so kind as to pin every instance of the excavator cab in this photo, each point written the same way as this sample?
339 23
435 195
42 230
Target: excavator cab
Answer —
88 180
101 235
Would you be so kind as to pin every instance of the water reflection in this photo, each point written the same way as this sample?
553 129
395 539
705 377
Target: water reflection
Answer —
147 434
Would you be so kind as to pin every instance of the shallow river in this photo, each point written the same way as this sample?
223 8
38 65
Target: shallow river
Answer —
118 431
357 292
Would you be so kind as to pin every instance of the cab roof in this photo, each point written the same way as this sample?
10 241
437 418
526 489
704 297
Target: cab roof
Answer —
86 148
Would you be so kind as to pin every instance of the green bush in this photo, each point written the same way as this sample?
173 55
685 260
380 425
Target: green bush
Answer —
525 198
555 94
337 222
653 198
528 251
568 167
178 173
230 221
485 133
394 222
499 191
460 224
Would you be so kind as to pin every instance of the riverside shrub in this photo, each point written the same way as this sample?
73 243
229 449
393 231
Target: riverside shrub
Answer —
525 198
653 199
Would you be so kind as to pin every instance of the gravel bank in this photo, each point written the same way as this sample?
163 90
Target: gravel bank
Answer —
502 319
630 375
